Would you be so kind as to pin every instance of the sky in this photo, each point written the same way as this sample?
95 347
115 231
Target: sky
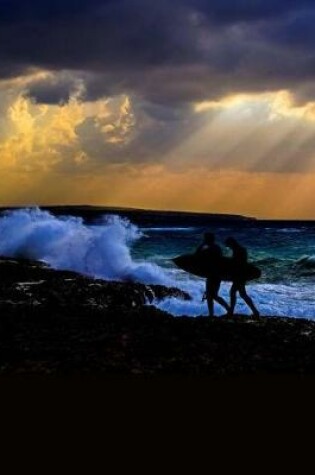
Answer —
192 105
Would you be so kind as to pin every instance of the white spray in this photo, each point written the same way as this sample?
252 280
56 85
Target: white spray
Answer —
103 250
100 250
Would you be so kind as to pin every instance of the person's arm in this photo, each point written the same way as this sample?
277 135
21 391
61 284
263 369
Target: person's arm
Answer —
219 251
245 254
199 248
241 255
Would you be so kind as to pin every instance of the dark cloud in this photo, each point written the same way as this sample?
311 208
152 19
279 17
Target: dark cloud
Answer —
52 90
158 130
227 11
296 31
26 10
220 10
164 52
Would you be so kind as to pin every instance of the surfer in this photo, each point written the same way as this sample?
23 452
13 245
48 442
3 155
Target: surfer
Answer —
239 260
211 254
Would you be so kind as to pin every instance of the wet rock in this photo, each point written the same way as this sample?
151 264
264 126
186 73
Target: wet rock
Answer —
26 281
61 323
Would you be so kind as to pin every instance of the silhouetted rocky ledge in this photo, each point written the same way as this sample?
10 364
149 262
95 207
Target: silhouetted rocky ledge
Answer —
61 323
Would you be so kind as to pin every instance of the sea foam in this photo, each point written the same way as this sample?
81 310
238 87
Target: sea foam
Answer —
101 250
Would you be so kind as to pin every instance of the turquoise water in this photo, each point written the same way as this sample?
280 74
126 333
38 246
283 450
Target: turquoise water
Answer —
114 248
286 256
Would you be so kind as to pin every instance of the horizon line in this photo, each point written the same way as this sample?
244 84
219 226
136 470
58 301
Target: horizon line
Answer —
127 208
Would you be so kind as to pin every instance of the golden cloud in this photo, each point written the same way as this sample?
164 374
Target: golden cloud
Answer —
281 105
36 135
231 164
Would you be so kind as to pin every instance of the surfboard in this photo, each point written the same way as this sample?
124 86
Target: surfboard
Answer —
195 264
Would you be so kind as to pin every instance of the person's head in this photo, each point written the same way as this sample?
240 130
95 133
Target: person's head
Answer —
209 238
231 242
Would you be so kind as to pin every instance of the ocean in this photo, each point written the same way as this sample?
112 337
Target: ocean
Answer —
113 247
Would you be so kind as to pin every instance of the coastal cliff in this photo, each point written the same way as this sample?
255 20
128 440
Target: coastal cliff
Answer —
62 323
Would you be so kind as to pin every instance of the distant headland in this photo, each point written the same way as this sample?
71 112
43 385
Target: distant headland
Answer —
153 217
142 216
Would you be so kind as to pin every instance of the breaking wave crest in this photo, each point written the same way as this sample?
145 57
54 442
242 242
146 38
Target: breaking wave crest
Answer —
101 250
306 262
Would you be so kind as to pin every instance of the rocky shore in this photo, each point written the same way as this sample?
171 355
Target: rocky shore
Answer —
61 323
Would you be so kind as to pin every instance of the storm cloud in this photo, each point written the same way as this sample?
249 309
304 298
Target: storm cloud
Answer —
180 52
137 102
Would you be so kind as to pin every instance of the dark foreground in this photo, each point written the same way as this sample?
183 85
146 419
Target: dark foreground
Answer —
60 323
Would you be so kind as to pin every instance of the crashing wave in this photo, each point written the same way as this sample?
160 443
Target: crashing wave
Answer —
307 262
101 250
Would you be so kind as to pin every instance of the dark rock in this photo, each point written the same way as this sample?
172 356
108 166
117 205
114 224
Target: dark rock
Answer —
61 323
24 281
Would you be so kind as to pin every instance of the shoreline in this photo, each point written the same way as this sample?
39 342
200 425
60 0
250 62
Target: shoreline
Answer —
59 323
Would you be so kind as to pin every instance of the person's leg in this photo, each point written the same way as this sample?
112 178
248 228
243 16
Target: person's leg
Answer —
213 286
248 300
217 297
233 292
209 296
222 302
210 306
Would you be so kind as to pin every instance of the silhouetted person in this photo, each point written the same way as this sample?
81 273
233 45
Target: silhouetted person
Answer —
239 261
211 254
